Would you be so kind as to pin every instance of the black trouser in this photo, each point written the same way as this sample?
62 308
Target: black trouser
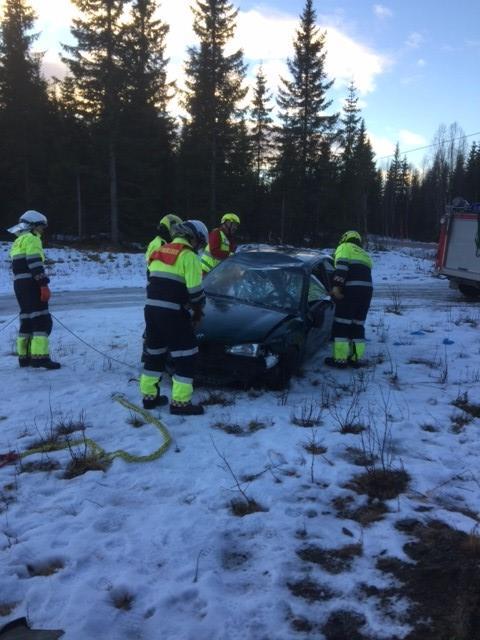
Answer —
169 333
35 319
348 331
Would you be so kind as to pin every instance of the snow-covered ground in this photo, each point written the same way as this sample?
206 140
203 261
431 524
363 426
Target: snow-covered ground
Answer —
71 269
152 550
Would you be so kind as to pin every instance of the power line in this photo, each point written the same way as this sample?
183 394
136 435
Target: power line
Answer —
429 146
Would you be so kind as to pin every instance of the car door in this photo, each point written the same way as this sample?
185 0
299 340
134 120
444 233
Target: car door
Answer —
319 315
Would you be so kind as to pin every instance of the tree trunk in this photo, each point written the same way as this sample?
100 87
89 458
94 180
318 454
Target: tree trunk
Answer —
114 234
79 207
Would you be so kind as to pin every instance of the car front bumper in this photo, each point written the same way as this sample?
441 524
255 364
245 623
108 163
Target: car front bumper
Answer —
215 365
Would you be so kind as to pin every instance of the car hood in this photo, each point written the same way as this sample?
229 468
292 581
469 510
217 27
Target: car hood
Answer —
231 322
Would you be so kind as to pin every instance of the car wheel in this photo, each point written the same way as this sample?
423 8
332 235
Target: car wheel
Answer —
469 291
279 377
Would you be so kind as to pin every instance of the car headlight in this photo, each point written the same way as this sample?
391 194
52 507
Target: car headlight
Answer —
250 350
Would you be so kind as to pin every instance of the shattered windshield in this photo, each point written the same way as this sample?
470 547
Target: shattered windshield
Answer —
273 287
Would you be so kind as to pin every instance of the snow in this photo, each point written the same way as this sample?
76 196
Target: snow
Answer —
73 270
161 535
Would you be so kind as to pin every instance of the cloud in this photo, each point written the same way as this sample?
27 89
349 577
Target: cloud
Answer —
421 62
414 40
409 139
382 12
264 33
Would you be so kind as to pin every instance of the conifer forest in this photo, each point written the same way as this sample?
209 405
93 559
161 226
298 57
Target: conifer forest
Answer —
103 153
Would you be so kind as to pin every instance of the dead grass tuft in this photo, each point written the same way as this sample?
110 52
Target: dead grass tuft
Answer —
344 625
442 583
332 560
47 568
122 599
382 484
243 508
365 514
310 590
90 461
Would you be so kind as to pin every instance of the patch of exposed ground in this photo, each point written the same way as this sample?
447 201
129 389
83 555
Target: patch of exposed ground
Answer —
443 585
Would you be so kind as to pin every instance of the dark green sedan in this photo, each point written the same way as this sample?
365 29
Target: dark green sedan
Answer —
266 311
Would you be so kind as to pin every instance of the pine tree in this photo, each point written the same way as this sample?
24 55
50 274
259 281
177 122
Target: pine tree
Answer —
366 187
350 122
472 178
26 122
147 131
305 126
349 187
262 130
214 91
95 63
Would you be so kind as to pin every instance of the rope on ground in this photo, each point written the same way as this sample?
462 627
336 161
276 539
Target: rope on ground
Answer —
9 323
102 353
97 449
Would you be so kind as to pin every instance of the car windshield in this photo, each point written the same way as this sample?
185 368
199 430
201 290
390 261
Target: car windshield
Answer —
266 286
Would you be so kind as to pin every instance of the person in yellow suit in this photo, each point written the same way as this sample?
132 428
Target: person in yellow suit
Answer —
30 284
164 233
221 242
175 300
352 292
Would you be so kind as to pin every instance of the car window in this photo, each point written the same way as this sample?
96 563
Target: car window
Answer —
316 291
278 288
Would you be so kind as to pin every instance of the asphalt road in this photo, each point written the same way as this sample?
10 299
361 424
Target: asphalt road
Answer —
435 293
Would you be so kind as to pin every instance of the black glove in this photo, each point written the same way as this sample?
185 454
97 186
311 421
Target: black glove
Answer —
197 314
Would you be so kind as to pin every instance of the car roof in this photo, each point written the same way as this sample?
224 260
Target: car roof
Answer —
266 255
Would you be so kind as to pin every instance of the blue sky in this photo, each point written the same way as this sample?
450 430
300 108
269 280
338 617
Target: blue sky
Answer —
415 62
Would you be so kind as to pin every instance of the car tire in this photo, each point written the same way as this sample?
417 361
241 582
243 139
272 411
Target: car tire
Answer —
469 291
279 377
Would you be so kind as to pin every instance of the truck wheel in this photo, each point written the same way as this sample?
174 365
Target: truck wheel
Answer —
469 291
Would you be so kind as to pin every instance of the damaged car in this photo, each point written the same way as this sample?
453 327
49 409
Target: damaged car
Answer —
266 311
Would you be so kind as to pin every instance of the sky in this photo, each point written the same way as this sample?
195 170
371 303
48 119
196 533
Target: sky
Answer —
415 62
152 549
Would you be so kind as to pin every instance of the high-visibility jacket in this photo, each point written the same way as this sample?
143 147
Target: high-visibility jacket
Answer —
219 247
28 258
175 277
155 244
353 267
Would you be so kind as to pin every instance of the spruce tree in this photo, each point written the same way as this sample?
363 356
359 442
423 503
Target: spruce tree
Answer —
147 131
26 123
262 129
214 91
96 66
305 125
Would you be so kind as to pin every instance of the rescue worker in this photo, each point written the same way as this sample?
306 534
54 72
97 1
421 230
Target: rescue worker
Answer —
352 293
175 300
221 242
30 284
164 229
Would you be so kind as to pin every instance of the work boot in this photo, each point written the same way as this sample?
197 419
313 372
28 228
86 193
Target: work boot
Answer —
24 361
186 409
44 363
357 364
337 364
152 403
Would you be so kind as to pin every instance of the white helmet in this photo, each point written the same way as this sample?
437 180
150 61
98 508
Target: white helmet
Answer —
29 220
194 229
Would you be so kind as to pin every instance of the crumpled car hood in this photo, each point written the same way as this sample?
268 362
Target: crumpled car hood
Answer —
231 322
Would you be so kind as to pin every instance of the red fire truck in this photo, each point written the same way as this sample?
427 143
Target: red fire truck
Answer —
458 255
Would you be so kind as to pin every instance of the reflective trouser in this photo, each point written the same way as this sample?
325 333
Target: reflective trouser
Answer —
348 331
35 320
169 332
